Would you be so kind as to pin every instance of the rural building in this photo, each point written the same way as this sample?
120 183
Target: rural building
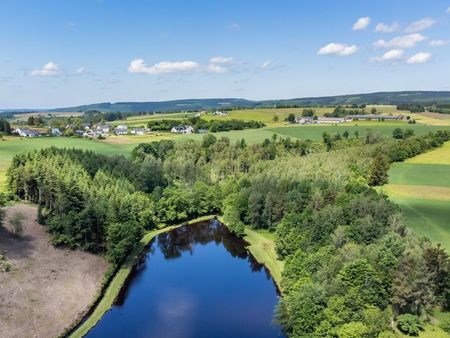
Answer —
377 117
220 113
332 120
56 132
182 129
121 129
79 132
103 128
27 132
304 120
139 131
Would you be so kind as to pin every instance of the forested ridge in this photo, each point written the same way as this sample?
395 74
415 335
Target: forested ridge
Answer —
352 266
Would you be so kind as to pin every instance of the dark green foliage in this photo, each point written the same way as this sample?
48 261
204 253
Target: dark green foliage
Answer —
5 127
198 123
409 324
379 170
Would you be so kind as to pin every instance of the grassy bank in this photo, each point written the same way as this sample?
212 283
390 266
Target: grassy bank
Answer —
262 247
116 284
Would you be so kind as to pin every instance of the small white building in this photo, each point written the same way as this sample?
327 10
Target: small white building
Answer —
332 120
56 132
103 128
121 129
27 132
220 113
139 131
182 129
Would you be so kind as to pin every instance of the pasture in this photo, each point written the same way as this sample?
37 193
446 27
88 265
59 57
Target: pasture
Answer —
314 132
421 187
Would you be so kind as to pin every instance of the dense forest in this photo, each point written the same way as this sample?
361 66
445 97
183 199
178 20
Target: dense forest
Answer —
351 265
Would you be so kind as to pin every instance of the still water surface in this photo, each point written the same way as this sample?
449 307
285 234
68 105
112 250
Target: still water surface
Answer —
197 281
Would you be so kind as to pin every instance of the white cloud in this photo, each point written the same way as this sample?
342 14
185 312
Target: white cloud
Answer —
337 49
214 68
421 57
362 23
438 43
420 25
266 64
164 67
405 41
80 71
49 69
389 56
384 28
448 10
222 60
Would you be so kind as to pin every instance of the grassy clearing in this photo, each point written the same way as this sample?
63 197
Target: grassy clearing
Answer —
262 247
437 156
418 191
437 175
121 277
314 132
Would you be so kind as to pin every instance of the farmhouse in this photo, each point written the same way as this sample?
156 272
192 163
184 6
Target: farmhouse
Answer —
332 120
121 129
27 132
182 129
377 117
304 120
139 131
56 132
220 113
102 128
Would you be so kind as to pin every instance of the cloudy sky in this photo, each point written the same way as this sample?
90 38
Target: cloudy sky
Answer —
62 53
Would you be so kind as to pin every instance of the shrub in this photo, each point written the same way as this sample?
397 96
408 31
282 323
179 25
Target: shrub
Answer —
445 325
409 324
16 223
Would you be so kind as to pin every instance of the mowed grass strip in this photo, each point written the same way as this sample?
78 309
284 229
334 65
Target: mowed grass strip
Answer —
403 173
418 191
315 132
262 247
120 278
429 218
437 156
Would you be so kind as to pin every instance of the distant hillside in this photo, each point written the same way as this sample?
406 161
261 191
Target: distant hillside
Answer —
404 97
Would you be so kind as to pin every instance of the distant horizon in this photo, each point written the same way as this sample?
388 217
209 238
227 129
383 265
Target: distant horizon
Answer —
5 109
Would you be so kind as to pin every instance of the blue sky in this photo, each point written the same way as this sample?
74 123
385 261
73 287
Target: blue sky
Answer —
70 52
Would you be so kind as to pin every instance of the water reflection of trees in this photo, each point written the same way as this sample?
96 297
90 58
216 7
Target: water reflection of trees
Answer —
183 239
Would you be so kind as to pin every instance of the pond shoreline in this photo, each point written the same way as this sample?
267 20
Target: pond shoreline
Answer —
111 291
104 302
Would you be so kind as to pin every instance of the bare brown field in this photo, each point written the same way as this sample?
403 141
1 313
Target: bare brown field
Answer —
47 288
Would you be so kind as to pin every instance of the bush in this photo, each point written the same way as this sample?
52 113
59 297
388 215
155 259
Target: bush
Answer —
16 223
445 325
409 324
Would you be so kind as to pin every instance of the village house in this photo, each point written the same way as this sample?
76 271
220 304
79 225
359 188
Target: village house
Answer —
182 129
304 120
102 128
56 132
26 132
121 130
139 131
220 113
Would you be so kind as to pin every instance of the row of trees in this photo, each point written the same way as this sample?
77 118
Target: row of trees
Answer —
5 127
198 124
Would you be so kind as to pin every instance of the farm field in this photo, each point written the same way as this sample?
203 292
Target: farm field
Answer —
421 186
314 132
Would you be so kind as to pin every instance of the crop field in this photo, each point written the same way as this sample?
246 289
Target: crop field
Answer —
421 186
314 132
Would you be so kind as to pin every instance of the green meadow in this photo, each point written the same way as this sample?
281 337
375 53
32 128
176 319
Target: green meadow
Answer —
421 187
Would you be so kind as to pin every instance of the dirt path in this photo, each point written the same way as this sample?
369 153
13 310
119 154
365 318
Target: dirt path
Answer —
47 288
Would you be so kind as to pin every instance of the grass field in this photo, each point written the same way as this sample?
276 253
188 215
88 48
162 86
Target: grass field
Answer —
314 132
421 186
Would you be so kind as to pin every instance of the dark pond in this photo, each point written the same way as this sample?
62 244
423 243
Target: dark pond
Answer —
195 281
